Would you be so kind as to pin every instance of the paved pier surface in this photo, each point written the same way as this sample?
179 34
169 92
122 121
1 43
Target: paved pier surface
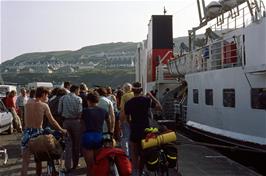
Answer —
194 160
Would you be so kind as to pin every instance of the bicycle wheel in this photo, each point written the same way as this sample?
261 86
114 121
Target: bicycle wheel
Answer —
113 168
4 156
162 173
50 167
163 164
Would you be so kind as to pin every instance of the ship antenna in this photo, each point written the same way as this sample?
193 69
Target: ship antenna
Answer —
164 10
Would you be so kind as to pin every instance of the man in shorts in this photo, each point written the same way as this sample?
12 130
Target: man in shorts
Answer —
35 111
137 110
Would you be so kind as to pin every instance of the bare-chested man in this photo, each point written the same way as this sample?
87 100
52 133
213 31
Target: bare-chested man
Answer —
35 111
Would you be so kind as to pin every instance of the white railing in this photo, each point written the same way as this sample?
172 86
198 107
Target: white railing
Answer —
221 54
162 73
239 17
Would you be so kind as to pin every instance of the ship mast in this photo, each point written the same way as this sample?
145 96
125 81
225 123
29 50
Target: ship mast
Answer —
164 10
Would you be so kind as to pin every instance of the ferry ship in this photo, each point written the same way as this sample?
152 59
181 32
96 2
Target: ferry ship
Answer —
219 88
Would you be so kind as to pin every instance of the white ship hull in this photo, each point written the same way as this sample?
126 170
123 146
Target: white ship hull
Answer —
241 122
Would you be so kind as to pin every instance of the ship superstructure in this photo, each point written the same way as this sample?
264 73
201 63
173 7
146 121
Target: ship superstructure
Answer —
218 87
226 77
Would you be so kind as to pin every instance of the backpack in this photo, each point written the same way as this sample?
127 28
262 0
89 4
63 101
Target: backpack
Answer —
102 167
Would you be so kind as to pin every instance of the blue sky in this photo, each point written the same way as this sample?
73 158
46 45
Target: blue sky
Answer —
36 26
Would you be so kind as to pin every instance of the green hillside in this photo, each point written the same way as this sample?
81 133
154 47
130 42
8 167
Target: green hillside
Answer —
100 75
114 78
90 53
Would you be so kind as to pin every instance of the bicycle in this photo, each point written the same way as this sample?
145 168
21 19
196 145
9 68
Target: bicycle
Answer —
4 154
108 141
159 159
110 160
52 156
158 151
163 164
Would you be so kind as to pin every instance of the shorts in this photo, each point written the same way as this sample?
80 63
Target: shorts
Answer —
29 133
137 132
91 140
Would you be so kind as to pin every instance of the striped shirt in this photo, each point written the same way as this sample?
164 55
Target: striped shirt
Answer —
70 106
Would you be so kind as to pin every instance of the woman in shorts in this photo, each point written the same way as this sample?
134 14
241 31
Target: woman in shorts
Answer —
93 117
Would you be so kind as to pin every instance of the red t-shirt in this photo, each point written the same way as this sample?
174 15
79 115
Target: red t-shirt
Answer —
10 102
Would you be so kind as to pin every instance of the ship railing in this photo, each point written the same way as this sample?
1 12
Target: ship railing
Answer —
169 109
239 17
163 73
224 53
181 112
233 20
181 109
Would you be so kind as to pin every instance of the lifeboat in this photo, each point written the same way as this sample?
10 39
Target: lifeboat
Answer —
213 9
228 4
240 1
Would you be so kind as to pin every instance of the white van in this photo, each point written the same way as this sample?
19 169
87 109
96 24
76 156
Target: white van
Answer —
34 85
6 88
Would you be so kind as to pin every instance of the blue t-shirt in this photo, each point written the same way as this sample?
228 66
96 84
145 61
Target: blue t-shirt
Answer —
94 118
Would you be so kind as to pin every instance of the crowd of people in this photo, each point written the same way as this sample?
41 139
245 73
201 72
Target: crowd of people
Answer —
84 115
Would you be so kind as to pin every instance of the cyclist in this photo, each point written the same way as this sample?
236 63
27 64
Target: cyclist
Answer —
94 118
137 110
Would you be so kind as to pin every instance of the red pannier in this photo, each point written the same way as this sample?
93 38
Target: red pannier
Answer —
101 166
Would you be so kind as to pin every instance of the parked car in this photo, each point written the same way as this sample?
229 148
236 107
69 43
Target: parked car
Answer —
6 88
6 119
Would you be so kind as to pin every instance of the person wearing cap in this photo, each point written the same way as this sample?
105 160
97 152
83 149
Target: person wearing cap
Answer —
137 112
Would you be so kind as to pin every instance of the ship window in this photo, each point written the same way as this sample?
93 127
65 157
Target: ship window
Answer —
196 96
258 98
209 97
229 98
